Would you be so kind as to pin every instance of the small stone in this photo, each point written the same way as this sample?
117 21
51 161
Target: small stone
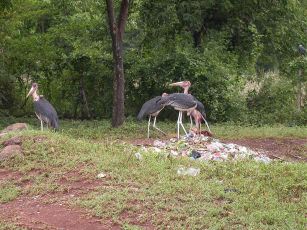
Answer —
138 156
10 151
101 175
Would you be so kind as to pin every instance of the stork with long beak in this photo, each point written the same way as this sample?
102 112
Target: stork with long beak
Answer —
152 108
43 109
196 114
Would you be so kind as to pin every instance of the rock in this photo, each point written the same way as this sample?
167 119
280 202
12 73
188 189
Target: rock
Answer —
12 141
15 127
138 156
10 151
101 175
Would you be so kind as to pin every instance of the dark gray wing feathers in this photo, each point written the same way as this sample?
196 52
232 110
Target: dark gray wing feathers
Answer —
149 107
45 109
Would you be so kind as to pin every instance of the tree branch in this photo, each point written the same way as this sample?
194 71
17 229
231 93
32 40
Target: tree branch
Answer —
122 19
112 24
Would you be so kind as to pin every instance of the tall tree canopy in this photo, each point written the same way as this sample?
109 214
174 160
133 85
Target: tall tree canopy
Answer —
241 57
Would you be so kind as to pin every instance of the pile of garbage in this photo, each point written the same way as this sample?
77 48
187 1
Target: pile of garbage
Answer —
204 148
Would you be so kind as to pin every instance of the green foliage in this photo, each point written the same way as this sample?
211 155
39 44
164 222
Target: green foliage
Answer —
218 45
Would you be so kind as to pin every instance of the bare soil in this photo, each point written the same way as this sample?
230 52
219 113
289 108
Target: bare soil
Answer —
53 210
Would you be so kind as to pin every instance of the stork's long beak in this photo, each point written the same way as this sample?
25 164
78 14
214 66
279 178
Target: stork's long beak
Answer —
30 92
177 83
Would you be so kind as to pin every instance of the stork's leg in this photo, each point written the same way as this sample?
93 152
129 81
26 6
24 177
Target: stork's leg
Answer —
182 124
207 125
154 125
42 125
178 125
191 124
148 127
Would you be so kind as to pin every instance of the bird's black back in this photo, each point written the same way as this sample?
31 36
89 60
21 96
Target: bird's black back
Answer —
149 107
43 108
179 100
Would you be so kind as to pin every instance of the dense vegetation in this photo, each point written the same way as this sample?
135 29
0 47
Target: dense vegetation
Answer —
242 59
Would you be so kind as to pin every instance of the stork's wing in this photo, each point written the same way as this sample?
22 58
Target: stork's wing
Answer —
45 109
149 107
178 100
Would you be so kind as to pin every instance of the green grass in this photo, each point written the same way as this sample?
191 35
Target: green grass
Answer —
237 195
8 192
101 130
4 225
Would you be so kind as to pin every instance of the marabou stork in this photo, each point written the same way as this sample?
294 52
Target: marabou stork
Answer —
302 50
196 114
43 109
181 102
151 108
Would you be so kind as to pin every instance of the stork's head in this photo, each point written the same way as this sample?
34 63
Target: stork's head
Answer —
183 84
164 94
33 89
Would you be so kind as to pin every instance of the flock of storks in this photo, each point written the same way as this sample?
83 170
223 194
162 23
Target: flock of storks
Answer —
183 102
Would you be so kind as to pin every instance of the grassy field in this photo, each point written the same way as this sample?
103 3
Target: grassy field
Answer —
233 195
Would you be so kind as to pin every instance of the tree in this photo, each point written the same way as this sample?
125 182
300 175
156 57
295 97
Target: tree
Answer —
117 29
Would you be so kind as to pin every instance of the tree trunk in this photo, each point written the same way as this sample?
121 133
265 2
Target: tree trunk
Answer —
197 38
299 90
83 96
117 32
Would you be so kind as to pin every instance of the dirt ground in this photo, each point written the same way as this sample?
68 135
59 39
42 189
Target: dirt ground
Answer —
53 211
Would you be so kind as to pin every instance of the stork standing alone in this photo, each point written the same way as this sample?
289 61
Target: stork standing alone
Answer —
151 108
302 50
43 109
196 114
183 103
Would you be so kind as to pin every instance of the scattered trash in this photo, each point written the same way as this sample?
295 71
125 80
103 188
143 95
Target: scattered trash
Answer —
101 175
158 143
195 154
138 156
188 171
204 148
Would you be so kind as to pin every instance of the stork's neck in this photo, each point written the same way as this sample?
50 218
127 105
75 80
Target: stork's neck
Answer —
35 96
186 90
